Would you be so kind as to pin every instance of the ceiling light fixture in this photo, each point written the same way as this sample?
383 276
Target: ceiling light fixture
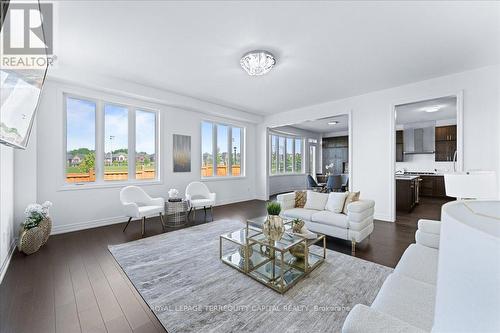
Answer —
257 62
434 108
333 123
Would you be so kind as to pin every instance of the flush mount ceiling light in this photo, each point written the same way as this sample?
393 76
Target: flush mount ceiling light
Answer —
257 62
333 123
434 108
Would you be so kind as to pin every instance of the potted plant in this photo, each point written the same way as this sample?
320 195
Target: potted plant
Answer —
273 227
36 228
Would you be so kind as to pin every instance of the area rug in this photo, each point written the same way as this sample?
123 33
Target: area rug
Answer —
189 289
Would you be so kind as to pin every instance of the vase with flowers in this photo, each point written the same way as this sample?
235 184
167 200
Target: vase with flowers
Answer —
36 228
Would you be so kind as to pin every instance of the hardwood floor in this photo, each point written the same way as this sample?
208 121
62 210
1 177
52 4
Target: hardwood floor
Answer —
73 284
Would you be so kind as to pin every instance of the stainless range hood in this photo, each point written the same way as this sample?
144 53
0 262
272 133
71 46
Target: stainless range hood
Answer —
419 140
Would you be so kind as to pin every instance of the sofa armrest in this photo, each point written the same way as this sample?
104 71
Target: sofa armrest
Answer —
430 226
364 319
287 200
427 239
360 206
428 233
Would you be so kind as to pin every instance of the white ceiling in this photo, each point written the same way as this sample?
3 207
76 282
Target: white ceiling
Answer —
415 112
325 50
321 125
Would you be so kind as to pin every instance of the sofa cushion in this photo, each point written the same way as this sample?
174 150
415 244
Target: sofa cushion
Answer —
351 197
298 213
300 199
330 218
407 299
420 263
316 200
336 201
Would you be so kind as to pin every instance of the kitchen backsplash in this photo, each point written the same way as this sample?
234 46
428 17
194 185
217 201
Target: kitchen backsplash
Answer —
424 162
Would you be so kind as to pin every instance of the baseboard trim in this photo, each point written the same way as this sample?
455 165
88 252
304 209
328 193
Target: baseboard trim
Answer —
61 229
383 217
5 264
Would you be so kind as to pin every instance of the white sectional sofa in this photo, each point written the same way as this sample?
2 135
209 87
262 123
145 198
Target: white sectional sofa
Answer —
405 303
355 226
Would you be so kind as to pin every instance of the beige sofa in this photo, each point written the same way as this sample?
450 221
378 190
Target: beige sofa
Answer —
355 226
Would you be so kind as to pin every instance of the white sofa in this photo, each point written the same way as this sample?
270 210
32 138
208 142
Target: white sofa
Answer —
405 303
355 226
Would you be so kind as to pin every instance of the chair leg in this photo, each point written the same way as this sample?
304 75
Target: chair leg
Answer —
143 226
353 247
126 225
162 222
205 211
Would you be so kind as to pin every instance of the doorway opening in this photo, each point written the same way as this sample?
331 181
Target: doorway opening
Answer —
427 144
305 155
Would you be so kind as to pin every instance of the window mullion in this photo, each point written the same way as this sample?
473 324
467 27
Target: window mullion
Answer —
99 142
131 143
214 149
230 151
293 156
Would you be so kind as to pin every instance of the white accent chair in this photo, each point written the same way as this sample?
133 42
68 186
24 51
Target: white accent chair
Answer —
138 204
198 195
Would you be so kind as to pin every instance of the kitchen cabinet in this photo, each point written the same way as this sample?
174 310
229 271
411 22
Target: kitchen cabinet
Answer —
432 186
406 194
445 143
400 146
336 151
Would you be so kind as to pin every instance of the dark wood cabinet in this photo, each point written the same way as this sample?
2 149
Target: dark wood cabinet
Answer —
336 151
399 146
432 186
446 143
406 196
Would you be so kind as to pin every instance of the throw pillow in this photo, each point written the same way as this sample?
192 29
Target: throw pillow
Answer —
336 202
300 199
316 200
351 197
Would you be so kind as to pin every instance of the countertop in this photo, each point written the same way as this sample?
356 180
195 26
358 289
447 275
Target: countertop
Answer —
406 177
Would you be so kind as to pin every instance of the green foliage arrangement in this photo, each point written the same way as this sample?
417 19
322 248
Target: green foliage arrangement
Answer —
273 208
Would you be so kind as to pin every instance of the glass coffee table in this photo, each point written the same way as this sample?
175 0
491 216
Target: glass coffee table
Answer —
271 262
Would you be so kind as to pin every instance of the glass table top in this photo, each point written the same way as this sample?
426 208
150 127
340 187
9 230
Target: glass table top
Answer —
285 243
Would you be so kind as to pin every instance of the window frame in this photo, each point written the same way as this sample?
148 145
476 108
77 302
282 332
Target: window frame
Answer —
230 126
100 144
277 135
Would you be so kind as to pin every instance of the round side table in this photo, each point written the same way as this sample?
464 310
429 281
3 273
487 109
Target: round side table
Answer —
176 212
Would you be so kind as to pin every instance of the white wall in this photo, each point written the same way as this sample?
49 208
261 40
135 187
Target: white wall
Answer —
372 134
7 234
84 208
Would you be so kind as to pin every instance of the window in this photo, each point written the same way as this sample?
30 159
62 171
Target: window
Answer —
80 140
298 155
207 150
145 144
286 154
106 130
274 154
115 142
236 152
281 154
289 155
222 151
225 142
